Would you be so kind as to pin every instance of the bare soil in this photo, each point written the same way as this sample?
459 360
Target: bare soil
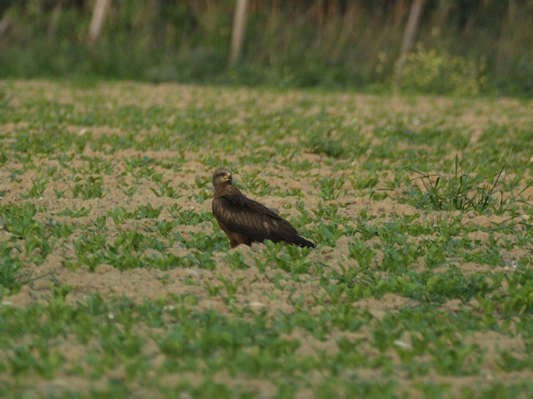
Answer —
257 288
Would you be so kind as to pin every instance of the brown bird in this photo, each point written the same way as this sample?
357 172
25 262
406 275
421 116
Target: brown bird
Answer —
244 220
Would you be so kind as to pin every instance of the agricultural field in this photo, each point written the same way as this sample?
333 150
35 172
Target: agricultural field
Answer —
116 281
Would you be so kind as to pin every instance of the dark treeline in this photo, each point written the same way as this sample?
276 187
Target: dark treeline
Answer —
465 46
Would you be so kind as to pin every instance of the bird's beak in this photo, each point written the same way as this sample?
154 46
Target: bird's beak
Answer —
227 177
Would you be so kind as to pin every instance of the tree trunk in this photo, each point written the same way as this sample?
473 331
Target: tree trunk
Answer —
100 8
348 28
54 20
398 14
237 36
409 34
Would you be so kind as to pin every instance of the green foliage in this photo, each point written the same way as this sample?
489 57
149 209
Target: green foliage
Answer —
289 259
12 276
439 72
39 185
76 213
18 220
327 146
91 188
189 217
237 261
164 190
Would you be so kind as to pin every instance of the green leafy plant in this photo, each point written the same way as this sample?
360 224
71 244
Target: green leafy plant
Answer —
12 277
236 261
75 212
165 190
92 188
37 190
19 220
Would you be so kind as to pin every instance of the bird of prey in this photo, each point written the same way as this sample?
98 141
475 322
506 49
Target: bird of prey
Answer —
244 220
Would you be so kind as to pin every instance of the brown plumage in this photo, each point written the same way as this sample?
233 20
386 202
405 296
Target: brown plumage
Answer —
244 220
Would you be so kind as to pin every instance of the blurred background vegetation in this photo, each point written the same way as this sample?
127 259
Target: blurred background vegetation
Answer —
464 47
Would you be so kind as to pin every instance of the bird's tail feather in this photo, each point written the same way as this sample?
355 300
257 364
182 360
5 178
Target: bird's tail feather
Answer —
302 242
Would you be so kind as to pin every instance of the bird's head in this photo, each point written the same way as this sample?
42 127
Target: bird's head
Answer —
221 176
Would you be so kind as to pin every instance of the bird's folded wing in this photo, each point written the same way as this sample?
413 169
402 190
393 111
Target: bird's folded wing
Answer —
248 217
256 207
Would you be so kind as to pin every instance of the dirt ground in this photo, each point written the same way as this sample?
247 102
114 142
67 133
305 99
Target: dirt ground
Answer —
257 288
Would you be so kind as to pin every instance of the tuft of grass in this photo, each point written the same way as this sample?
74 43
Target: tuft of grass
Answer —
461 191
